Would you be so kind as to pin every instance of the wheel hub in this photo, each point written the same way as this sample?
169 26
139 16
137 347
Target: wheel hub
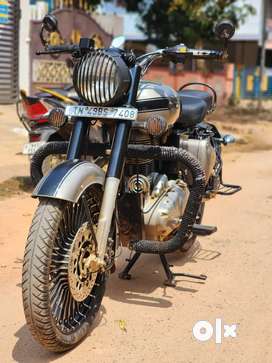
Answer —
81 280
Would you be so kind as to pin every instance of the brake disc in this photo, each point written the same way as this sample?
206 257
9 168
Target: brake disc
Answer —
81 280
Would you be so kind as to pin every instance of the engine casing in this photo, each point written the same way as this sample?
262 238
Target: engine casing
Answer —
203 151
164 207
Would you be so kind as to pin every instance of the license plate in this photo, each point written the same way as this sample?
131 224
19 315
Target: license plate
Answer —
32 147
120 113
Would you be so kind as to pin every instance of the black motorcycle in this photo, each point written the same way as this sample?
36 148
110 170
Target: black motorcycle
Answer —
156 166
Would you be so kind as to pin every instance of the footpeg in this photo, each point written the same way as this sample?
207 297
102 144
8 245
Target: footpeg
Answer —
202 230
229 189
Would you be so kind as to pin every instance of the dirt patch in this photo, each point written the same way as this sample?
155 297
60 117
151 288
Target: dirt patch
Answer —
15 186
251 128
152 322
245 115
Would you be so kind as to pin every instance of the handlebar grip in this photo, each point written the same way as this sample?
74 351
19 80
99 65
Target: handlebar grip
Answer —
209 54
181 52
62 47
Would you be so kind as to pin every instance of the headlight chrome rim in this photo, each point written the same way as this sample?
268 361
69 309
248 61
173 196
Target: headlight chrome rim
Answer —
101 78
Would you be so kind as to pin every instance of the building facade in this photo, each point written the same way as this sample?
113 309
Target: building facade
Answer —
9 38
75 20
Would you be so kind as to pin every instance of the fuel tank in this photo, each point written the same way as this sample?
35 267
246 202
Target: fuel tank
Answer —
157 99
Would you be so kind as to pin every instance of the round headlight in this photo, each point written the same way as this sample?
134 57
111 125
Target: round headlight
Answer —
101 78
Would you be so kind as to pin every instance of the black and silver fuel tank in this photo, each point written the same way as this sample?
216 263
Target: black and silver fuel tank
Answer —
157 99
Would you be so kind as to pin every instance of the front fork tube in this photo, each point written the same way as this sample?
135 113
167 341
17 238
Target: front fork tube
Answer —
77 139
114 174
115 170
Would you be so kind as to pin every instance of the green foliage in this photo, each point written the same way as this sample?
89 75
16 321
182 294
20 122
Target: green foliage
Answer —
169 22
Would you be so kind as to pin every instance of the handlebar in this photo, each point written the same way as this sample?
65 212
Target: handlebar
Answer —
55 49
177 54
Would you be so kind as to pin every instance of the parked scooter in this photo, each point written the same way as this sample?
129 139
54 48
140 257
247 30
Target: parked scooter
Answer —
34 112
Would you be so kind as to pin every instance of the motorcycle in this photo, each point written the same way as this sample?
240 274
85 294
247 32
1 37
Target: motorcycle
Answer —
157 165
33 112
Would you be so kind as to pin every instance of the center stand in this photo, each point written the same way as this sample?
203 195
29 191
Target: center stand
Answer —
170 281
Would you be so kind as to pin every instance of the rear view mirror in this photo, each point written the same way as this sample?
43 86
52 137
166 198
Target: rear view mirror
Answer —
50 23
224 30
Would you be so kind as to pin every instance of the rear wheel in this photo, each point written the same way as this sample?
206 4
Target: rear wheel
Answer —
60 299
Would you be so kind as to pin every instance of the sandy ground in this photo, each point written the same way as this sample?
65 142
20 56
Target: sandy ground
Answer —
12 138
159 320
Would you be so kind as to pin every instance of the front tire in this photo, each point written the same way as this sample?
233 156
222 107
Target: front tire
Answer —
55 318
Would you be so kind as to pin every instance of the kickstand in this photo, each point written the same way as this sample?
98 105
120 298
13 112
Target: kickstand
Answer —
170 281
124 275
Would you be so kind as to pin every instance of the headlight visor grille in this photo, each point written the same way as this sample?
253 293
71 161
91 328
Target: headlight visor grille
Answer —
101 78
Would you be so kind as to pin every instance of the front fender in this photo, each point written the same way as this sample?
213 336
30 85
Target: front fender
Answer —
68 180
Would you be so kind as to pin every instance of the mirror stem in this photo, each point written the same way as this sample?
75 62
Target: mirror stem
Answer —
44 42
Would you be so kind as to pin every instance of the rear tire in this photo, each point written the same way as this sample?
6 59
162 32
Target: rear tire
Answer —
56 320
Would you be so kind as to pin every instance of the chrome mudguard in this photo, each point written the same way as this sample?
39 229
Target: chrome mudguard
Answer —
68 180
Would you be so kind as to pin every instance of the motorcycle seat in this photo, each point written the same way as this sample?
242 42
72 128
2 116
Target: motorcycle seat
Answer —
193 110
201 95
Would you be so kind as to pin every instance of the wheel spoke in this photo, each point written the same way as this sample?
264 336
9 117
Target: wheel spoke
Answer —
66 310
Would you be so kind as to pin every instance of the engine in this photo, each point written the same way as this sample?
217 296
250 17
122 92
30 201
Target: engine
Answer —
160 197
140 166
159 108
162 203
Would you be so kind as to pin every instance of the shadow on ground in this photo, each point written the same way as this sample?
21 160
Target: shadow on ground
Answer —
26 350
147 275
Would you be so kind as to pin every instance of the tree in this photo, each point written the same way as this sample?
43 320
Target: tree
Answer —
167 22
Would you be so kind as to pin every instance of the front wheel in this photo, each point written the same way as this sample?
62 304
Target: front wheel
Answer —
60 300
